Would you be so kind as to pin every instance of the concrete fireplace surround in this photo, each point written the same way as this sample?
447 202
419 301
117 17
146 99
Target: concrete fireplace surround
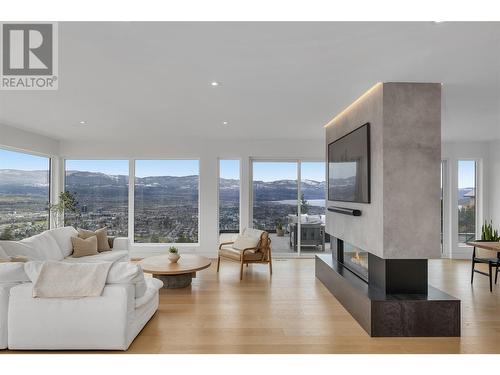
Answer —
400 227
403 219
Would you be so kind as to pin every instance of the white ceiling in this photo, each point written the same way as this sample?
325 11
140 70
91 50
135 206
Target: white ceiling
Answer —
135 81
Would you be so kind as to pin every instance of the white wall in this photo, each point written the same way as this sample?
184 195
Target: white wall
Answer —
494 182
452 152
208 152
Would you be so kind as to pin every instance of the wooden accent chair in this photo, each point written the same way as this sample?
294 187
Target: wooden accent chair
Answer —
260 253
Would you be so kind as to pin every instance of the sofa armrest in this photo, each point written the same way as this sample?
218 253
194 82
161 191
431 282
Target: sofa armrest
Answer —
120 243
70 323
4 308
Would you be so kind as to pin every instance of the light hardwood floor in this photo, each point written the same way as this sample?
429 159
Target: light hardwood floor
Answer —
294 313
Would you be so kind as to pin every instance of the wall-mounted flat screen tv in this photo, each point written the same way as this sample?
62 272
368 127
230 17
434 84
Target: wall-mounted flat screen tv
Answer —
349 167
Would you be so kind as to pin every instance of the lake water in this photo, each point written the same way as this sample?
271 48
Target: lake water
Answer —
312 202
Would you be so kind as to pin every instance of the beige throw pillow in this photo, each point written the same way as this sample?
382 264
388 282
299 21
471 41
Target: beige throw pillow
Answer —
84 247
102 237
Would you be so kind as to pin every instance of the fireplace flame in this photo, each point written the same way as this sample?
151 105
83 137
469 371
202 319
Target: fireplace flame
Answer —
357 259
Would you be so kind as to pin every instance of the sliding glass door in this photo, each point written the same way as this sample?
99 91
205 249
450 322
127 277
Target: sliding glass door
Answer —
275 203
293 214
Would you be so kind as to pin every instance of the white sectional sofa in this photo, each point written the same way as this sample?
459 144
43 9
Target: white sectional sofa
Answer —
108 322
55 244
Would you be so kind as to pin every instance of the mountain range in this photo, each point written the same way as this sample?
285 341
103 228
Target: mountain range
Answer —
86 183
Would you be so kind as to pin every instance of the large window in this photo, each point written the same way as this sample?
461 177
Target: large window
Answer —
101 189
274 194
466 200
24 194
166 201
275 203
229 196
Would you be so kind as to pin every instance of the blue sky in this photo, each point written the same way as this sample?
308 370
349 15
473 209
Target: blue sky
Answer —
146 168
229 169
272 171
18 160
113 167
466 173
143 168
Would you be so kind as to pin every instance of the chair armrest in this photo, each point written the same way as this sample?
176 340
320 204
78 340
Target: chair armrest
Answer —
249 249
225 243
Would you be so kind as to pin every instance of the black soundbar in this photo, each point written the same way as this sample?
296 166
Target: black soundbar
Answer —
345 211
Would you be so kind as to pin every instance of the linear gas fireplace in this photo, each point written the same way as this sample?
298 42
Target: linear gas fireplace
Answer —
387 275
353 258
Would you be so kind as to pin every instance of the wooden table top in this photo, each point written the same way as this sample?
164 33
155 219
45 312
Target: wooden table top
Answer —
187 263
493 246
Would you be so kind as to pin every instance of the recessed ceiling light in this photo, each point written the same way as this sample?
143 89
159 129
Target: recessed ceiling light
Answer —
225 123
83 122
214 83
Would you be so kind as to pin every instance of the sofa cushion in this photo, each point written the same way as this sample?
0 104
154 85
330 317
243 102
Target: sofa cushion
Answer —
152 287
12 273
17 248
46 245
84 247
108 256
63 238
120 243
39 247
128 273
3 254
102 237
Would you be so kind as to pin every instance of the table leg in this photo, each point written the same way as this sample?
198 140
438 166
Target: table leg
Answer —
175 281
472 272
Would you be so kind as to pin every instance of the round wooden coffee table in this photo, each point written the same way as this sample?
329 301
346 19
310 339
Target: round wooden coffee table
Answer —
175 275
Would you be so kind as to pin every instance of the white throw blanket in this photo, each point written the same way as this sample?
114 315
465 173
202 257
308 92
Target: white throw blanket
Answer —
60 279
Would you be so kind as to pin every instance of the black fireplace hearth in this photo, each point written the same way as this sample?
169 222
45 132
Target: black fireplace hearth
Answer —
388 297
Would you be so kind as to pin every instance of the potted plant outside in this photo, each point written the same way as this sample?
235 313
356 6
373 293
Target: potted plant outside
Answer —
173 254
280 232
488 234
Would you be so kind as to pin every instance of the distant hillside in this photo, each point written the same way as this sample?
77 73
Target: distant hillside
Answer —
18 182
23 178
104 185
